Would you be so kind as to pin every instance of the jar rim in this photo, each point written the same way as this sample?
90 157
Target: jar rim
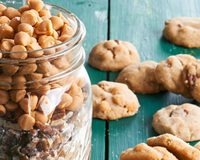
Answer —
77 38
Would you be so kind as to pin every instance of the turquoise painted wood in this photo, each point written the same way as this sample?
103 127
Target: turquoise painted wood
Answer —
141 22
94 16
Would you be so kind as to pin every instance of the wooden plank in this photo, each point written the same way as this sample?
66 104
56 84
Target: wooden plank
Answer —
93 14
141 22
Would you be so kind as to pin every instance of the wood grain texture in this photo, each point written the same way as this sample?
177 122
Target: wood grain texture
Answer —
93 14
141 22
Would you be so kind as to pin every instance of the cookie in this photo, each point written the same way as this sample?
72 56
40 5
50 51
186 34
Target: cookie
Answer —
191 78
182 121
140 78
113 100
145 152
176 146
183 31
169 73
113 55
197 146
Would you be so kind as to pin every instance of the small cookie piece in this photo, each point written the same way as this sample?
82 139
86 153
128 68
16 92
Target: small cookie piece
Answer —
145 152
140 78
113 55
169 73
176 146
183 31
182 121
197 145
191 78
113 100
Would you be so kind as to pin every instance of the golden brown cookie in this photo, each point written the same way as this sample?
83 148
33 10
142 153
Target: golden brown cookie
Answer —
113 100
183 31
169 73
145 152
182 121
197 145
113 55
179 148
140 77
191 77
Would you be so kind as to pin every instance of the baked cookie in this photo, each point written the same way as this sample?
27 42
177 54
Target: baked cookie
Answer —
182 121
176 146
145 152
183 31
140 78
113 100
191 77
197 146
169 73
113 55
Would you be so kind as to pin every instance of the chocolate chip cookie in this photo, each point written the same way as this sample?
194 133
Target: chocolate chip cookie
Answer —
169 73
182 121
140 77
145 152
113 55
113 100
183 31
179 148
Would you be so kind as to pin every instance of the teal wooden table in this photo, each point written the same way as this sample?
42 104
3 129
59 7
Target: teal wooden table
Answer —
140 22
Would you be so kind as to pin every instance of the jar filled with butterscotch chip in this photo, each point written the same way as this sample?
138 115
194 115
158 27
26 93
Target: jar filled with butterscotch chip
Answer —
45 91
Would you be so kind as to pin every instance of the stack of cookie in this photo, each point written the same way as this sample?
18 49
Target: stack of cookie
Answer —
163 147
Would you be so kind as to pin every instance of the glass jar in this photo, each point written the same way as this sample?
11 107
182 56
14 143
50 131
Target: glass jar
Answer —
46 101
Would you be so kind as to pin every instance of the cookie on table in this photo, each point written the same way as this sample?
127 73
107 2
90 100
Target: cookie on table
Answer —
113 55
197 145
113 100
179 148
182 121
140 77
169 73
145 152
183 31
191 78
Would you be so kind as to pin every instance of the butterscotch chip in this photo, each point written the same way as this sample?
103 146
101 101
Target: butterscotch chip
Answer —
169 73
44 67
29 17
2 9
7 79
113 55
33 40
182 121
18 55
27 69
22 38
10 69
23 9
45 12
176 146
35 4
183 31
64 38
29 104
145 152
4 97
42 90
11 13
34 77
2 110
19 82
66 100
17 95
6 46
11 106
26 122
113 100
24 27
61 63
14 23
39 116
45 27
67 30
140 77
32 47
4 19
57 22
63 18
6 32
197 145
